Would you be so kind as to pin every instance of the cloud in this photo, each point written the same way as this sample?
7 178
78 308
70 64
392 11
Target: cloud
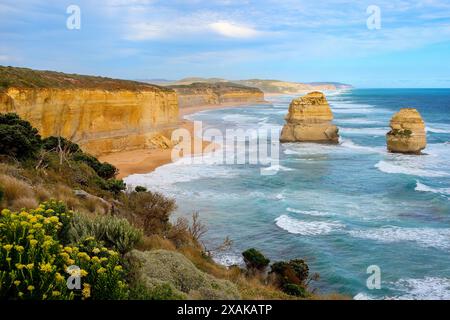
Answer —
231 30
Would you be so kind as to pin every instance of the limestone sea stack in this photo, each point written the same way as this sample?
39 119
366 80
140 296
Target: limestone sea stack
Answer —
408 134
309 120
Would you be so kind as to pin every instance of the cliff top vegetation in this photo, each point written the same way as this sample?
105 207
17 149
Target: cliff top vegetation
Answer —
12 77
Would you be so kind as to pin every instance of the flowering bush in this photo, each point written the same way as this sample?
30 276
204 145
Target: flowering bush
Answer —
35 261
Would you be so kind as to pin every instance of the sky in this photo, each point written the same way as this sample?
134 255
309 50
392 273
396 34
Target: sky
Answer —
406 45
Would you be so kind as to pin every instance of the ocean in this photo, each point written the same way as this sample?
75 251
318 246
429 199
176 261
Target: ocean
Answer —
341 207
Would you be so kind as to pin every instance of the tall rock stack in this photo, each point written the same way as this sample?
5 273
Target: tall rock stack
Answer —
408 134
309 120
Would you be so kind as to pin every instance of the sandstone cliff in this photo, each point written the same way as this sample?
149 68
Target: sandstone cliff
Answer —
309 119
102 115
407 133
199 94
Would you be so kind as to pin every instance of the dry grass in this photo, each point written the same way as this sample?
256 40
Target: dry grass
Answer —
42 193
15 189
24 203
155 242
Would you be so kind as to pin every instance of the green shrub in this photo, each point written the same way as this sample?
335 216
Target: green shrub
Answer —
295 290
33 260
292 276
18 138
255 260
159 292
51 144
168 269
114 232
115 186
104 170
140 189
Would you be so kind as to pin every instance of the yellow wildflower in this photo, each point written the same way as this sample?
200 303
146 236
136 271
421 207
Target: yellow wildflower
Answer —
68 249
46 267
20 266
101 270
17 283
86 292
33 220
54 219
33 242
38 225
23 214
24 223
20 294
30 266
118 268
5 212
83 273
8 247
56 293
49 211
70 262
59 277
19 248
95 259
96 250
30 288
84 255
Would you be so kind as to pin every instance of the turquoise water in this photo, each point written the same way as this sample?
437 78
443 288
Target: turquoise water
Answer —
343 208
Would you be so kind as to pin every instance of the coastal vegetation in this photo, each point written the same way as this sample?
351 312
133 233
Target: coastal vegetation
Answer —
61 207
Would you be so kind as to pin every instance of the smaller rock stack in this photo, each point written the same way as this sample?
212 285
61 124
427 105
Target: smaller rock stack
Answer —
407 133
309 120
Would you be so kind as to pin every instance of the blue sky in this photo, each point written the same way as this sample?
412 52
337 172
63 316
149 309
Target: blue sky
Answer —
292 40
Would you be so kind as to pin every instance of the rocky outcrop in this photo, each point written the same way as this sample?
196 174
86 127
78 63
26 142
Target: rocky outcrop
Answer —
408 134
309 119
201 94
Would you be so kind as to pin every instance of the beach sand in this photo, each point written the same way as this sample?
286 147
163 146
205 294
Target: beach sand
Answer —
146 160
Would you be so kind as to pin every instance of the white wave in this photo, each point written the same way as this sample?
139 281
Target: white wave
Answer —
428 288
276 167
438 128
362 296
424 188
306 228
280 196
397 167
359 110
310 213
426 237
365 131
347 143
240 118
360 121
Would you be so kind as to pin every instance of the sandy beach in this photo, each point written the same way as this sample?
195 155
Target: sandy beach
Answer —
146 160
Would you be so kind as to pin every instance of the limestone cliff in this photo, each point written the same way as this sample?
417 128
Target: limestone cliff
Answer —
407 133
102 115
309 119
198 94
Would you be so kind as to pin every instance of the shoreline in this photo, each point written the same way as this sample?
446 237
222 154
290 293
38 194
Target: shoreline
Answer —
141 161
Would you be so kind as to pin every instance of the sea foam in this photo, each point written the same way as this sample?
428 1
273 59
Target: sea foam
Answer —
393 167
425 237
306 228
424 188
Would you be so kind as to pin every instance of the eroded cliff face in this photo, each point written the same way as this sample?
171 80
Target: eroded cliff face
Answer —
309 119
101 121
201 94
408 133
